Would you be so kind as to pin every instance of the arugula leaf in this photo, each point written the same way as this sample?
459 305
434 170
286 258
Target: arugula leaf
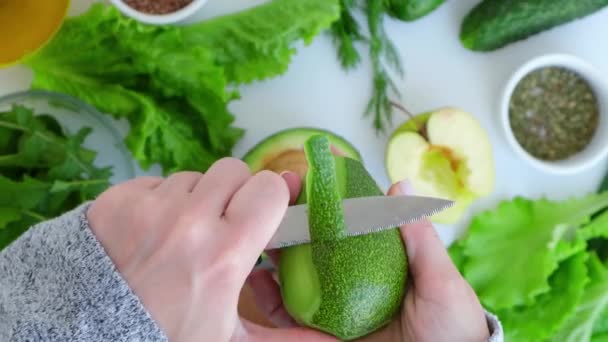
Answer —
8 215
510 252
19 202
45 174
540 320
580 325
25 194
171 82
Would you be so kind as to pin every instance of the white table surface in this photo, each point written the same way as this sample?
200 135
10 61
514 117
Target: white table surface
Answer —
315 91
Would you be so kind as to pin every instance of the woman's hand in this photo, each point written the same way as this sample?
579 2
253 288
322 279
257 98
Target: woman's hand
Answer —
439 305
186 245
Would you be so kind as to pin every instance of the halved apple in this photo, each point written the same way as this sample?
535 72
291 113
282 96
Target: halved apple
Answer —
445 153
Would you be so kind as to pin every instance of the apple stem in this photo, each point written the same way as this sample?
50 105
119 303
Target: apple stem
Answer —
421 128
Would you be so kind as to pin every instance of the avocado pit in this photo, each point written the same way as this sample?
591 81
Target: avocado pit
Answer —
288 160
293 160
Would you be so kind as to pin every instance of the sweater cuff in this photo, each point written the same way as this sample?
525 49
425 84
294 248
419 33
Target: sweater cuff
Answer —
61 285
495 327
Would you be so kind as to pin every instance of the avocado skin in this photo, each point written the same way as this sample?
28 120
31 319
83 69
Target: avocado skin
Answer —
493 24
360 280
410 10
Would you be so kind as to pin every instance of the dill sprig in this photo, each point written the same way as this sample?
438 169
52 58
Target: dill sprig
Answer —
346 33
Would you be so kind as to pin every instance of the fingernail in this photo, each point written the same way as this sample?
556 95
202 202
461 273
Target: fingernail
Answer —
406 187
285 172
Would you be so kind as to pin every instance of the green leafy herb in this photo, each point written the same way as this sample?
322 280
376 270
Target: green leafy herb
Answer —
43 171
346 33
172 82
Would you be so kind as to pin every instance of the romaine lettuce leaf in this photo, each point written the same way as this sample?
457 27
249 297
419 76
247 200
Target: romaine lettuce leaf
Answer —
172 82
256 44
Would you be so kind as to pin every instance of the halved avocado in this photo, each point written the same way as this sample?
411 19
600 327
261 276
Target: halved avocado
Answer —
284 150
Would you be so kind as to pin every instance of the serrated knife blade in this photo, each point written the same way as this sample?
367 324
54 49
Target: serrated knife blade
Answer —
362 215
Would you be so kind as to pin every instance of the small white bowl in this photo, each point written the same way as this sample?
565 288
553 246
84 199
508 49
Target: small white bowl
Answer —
597 149
160 19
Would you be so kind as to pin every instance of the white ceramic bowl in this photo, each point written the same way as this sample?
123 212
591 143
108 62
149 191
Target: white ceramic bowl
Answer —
597 149
160 19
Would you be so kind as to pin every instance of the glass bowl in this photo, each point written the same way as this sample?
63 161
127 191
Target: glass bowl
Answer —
74 114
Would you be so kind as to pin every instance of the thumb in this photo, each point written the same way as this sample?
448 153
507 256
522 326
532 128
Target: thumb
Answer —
256 333
428 258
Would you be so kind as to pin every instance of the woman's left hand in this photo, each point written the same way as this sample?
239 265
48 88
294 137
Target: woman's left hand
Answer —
187 244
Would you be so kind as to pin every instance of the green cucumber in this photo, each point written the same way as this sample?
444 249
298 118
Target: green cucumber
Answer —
493 24
410 10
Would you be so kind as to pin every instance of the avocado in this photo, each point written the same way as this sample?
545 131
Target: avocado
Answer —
493 24
344 286
284 150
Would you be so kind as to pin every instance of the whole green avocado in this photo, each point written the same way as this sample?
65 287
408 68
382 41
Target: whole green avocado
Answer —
345 286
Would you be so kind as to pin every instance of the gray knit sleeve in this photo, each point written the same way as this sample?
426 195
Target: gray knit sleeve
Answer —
496 332
58 284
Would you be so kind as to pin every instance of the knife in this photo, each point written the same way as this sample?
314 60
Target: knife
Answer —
362 215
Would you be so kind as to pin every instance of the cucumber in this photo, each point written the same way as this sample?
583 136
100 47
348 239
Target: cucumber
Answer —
493 24
410 10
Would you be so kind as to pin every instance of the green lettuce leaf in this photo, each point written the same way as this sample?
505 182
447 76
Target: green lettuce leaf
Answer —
172 82
257 44
510 253
580 325
603 337
597 228
538 321
456 253
600 326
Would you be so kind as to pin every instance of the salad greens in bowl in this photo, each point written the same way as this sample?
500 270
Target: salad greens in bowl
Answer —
56 153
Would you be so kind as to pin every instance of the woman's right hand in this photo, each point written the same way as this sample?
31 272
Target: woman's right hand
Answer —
439 305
